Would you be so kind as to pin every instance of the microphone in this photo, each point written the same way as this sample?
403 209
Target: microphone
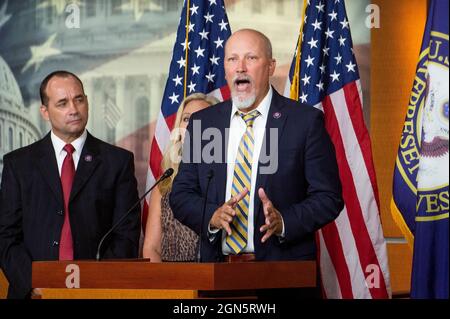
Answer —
209 176
166 174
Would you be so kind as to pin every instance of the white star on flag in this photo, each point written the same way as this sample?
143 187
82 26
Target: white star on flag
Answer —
194 9
320 85
210 77
183 44
191 27
320 7
317 25
322 69
219 43
181 62
304 97
195 69
177 80
335 76
199 52
309 61
223 25
350 67
338 59
329 33
313 43
209 17
214 60
40 53
174 98
342 41
333 15
191 87
344 24
204 34
305 79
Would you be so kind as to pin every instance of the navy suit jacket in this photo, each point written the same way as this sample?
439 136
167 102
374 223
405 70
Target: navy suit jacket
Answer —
32 206
305 188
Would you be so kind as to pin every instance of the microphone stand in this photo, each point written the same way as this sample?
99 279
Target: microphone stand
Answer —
166 174
209 176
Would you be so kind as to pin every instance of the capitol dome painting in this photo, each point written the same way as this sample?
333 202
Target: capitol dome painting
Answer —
16 128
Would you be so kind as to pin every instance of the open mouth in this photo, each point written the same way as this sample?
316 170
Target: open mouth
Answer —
242 84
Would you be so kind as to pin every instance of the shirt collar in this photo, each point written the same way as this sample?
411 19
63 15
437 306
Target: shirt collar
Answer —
263 107
58 144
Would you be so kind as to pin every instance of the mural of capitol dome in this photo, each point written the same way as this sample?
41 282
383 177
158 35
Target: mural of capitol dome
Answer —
16 128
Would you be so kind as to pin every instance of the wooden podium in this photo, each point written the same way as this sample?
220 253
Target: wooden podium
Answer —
136 279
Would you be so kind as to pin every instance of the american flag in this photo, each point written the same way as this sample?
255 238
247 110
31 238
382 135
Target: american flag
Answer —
352 253
196 67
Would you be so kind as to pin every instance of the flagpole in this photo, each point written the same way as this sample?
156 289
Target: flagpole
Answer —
295 82
187 47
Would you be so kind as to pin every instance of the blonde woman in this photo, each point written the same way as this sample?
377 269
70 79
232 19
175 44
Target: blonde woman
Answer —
166 239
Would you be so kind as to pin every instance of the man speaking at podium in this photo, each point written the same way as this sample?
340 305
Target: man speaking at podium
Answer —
60 195
255 211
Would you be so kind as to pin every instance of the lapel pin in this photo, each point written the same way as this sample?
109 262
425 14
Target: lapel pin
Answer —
88 158
276 115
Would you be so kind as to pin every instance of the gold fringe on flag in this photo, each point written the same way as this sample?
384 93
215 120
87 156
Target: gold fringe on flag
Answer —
295 79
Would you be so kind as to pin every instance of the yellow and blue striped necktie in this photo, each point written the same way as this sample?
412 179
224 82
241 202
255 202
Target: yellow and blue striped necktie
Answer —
242 179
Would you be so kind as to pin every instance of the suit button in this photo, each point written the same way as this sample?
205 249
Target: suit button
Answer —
55 243
60 212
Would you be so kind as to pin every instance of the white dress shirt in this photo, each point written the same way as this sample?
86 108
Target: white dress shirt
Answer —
237 130
60 153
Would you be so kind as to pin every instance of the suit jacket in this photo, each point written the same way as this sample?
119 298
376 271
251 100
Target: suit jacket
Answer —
305 187
32 207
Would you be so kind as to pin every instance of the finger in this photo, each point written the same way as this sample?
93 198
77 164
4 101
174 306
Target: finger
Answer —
227 217
264 228
226 227
229 211
263 196
267 235
268 226
232 201
241 195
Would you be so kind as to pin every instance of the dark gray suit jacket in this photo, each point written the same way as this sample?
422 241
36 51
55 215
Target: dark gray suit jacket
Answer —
305 188
31 207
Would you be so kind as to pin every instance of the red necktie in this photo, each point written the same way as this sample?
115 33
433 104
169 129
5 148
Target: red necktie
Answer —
67 175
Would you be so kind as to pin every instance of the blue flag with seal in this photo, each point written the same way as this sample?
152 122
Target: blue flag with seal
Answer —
420 189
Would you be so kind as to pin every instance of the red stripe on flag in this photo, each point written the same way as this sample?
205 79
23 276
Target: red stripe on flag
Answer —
155 159
334 247
363 242
170 120
226 94
356 114
156 171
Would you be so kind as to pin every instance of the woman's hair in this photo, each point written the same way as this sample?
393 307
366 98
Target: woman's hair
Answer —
172 155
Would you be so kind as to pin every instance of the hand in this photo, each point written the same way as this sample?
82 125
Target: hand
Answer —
273 220
223 216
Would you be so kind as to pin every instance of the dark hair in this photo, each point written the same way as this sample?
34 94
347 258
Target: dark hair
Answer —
44 83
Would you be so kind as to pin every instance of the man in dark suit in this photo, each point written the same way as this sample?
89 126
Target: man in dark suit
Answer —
60 195
274 174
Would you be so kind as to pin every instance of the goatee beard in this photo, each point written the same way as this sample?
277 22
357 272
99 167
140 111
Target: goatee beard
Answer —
242 104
